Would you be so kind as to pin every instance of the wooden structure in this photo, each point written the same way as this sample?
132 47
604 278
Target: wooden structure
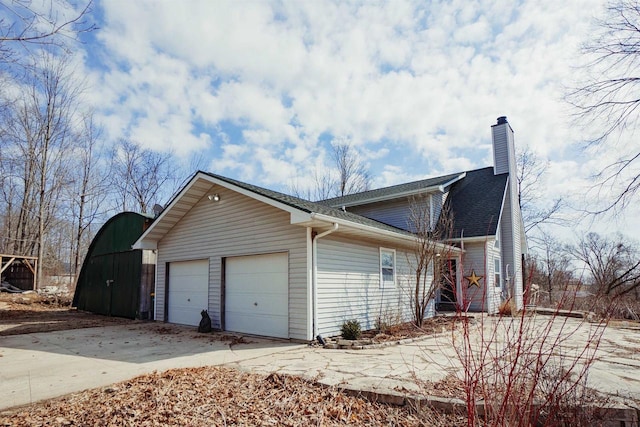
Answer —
19 270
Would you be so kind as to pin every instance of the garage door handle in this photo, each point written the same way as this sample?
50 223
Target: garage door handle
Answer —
255 303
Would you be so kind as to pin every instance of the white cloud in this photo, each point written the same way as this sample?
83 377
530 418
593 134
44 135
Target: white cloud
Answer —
264 86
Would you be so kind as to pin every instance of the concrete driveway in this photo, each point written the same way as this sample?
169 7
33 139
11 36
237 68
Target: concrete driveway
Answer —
44 365
39 366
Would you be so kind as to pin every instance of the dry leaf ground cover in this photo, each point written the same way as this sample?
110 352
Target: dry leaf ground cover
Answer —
190 396
218 396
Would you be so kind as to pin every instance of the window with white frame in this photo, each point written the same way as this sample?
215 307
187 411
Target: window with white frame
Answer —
387 268
496 273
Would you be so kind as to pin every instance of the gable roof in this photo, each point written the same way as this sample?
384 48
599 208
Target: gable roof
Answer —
476 202
303 212
395 191
310 207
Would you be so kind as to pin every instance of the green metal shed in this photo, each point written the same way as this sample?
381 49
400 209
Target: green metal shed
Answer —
116 280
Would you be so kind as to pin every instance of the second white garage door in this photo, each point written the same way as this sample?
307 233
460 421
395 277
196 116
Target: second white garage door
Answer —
257 294
188 291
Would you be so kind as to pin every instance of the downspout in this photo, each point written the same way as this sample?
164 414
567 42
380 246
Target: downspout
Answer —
314 282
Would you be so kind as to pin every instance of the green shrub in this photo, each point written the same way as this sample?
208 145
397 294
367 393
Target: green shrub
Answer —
351 330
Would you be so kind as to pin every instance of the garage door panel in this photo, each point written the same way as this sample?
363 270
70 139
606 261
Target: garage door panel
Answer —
256 304
258 264
257 294
272 326
188 291
274 283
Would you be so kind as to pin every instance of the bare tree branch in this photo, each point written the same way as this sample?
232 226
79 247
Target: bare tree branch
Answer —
531 169
610 98
349 175
614 263
429 260
25 25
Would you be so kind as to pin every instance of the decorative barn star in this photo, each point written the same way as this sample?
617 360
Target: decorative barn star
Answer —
474 280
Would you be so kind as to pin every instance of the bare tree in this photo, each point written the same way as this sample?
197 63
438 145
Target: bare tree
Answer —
353 176
614 263
89 192
608 99
531 170
550 266
347 175
429 259
24 24
37 132
138 176
323 187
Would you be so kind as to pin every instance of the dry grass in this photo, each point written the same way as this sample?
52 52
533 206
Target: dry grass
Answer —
399 331
217 396
625 307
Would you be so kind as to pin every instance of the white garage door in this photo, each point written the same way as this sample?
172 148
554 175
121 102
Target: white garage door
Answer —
257 295
188 291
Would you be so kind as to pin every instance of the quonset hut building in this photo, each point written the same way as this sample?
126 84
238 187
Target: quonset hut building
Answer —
116 280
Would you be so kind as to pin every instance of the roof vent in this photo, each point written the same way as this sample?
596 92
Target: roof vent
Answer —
502 120
157 210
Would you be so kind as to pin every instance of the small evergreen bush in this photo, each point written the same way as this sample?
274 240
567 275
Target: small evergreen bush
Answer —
351 330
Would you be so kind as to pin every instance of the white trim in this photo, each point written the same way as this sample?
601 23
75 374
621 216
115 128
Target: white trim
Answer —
477 239
201 175
498 260
314 249
395 266
432 222
387 233
310 284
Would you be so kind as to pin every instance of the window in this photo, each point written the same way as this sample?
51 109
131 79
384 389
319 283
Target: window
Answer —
496 273
387 268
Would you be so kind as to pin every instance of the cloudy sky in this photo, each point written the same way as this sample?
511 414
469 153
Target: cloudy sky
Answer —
261 89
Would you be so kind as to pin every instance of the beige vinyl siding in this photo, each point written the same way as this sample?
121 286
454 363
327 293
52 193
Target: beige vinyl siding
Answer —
237 225
349 285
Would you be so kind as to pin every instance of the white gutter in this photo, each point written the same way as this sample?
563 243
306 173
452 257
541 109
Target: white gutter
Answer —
387 233
314 282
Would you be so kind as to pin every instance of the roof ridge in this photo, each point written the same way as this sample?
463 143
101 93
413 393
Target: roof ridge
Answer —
307 205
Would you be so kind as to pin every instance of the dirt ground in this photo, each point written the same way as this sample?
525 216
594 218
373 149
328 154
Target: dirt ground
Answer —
27 313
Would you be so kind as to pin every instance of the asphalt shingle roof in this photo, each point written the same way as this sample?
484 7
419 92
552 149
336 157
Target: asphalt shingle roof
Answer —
308 206
475 202
390 191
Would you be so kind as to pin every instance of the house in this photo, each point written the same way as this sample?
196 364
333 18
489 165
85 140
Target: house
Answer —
487 224
266 263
